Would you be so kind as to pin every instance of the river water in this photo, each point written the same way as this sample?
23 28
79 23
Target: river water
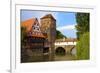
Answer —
50 57
46 58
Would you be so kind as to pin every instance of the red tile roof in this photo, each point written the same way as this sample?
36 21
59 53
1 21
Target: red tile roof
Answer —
28 25
67 40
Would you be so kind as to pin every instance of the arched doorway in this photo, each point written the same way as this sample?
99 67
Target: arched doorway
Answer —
60 51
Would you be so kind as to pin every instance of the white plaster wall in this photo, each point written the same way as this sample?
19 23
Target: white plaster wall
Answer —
65 43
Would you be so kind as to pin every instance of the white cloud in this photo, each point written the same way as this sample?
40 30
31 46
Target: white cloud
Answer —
67 27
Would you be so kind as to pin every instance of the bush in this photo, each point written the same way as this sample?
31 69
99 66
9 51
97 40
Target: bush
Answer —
83 46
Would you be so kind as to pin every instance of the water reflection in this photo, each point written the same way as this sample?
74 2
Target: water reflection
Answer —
46 58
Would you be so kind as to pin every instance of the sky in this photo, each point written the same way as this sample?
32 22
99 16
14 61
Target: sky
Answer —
65 21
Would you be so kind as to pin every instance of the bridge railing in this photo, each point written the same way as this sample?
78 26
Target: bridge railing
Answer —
65 43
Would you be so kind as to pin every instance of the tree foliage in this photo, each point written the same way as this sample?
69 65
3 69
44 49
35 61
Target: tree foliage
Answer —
59 35
83 46
23 34
23 44
82 26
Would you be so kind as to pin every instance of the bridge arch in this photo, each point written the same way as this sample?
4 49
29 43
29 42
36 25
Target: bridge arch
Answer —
60 51
73 50
69 49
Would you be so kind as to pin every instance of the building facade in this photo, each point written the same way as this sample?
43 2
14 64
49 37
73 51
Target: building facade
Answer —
40 38
48 26
33 46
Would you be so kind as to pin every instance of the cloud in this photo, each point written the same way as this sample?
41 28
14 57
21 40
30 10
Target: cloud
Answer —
67 27
68 30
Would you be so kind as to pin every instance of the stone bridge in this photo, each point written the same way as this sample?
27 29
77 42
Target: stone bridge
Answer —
67 45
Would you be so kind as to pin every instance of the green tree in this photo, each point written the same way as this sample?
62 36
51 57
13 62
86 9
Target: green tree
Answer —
23 35
59 35
82 26
24 57
83 46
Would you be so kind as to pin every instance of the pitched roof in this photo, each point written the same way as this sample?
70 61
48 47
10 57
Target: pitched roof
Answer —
39 36
48 16
67 40
71 40
28 24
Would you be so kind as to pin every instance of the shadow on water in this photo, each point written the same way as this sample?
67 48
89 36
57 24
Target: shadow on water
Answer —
46 58
66 57
42 58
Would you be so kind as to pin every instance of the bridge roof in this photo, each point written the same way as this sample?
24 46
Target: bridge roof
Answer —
67 40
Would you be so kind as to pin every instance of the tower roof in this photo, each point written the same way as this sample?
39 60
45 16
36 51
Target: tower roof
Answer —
48 16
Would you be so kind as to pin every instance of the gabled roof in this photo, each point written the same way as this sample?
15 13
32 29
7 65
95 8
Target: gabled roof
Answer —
48 16
28 24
